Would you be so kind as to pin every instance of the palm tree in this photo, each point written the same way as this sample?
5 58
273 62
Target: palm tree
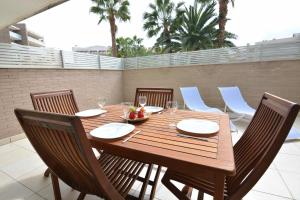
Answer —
110 10
162 20
223 10
198 29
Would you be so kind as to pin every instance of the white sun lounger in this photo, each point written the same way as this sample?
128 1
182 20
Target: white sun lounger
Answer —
193 101
234 100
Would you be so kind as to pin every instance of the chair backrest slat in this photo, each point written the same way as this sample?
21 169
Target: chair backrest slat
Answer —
57 101
61 142
260 143
155 96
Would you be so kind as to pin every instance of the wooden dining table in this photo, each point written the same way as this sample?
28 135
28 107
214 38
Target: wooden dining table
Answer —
158 143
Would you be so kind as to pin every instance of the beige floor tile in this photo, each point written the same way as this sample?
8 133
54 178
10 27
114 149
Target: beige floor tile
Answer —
14 156
290 148
22 164
288 162
34 197
35 179
272 183
6 149
11 190
25 144
293 182
67 193
255 195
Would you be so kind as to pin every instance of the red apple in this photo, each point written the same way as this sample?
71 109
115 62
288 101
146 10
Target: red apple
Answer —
140 114
131 115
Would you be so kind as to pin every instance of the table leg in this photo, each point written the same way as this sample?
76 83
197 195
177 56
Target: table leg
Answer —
220 183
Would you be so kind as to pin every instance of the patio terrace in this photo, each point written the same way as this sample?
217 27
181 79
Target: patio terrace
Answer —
21 170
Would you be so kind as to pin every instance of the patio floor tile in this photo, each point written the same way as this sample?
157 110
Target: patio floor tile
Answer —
11 189
255 195
35 179
293 182
287 162
25 144
272 183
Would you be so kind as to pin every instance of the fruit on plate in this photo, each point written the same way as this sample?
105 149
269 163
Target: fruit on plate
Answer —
142 109
141 114
132 109
132 115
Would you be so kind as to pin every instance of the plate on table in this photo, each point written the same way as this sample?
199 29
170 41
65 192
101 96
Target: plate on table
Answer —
90 113
152 109
198 127
112 131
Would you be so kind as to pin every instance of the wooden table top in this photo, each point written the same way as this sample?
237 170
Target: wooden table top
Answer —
158 143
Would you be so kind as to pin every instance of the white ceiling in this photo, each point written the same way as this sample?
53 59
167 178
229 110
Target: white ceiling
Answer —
13 11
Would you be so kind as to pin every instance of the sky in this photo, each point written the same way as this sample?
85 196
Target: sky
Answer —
71 23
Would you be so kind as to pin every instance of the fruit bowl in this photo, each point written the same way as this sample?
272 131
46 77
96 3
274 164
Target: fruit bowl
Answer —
136 119
136 116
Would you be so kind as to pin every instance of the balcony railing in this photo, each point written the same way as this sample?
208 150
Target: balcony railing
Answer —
24 56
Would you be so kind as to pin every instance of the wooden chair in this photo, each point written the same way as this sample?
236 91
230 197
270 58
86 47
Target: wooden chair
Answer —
155 97
61 142
254 152
62 102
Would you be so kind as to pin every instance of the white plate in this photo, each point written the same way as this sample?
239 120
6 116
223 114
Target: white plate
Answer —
112 130
198 126
90 113
152 109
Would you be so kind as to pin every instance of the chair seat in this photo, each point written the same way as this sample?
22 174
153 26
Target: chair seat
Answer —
200 183
121 172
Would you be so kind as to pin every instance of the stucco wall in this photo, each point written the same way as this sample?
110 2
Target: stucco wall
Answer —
88 85
281 78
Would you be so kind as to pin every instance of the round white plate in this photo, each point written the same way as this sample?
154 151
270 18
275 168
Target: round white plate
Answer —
112 130
152 109
90 113
198 126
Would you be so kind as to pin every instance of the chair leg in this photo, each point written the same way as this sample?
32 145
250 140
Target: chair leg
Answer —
81 196
156 178
47 172
55 185
179 194
146 182
187 190
200 195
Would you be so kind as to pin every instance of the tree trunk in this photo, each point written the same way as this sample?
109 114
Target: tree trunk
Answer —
112 23
222 21
168 36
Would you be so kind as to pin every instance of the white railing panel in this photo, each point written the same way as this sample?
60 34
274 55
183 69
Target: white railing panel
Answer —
80 60
251 53
24 56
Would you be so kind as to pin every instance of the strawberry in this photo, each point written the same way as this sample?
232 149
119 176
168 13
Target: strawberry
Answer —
140 114
131 115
